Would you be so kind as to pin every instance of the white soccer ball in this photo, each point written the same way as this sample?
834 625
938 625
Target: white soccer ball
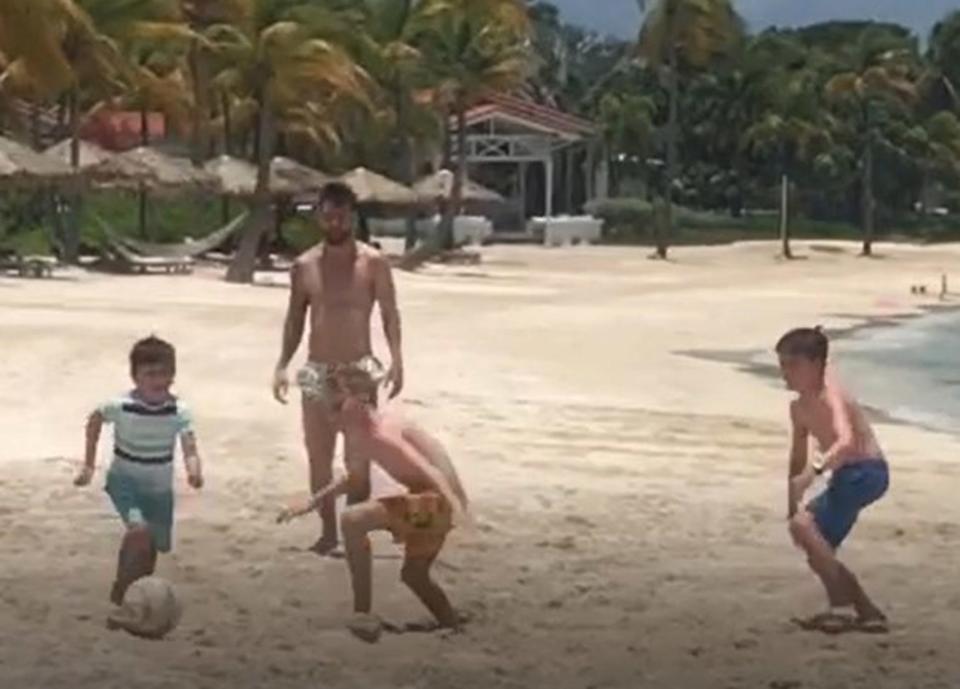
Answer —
150 608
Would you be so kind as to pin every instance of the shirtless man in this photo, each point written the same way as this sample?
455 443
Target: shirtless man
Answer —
337 282
849 449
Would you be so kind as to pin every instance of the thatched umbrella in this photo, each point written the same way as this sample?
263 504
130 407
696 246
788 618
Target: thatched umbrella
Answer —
303 178
288 179
237 177
90 153
147 168
21 165
375 189
439 186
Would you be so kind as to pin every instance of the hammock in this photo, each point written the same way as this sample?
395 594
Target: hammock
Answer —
188 249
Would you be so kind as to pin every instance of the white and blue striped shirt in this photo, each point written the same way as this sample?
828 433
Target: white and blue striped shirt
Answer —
145 438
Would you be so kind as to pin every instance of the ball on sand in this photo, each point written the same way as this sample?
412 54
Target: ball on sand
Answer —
150 608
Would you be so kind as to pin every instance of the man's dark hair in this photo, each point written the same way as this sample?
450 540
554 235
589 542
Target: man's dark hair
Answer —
810 343
151 351
338 194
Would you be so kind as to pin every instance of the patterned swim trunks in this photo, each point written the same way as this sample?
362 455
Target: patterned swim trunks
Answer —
321 381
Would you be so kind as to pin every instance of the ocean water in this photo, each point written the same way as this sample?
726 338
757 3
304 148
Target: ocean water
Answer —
910 371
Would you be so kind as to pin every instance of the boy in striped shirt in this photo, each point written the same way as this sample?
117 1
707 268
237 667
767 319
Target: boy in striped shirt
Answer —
147 422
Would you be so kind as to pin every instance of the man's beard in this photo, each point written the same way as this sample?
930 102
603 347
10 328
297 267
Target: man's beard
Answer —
338 240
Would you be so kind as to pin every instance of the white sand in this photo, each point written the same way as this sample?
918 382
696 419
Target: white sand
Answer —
631 498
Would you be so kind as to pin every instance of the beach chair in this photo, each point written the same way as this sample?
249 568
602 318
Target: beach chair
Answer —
30 265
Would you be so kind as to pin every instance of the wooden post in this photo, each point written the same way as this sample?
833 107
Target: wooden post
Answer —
548 185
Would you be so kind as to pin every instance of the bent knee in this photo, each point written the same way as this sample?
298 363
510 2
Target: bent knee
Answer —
139 536
801 523
353 524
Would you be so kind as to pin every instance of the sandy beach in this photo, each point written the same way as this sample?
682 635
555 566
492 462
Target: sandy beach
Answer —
629 494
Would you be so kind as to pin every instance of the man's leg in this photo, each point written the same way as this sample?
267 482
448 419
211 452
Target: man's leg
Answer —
357 461
357 522
137 559
843 588
416 575
320 437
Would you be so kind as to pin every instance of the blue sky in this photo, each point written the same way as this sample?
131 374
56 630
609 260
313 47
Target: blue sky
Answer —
622 18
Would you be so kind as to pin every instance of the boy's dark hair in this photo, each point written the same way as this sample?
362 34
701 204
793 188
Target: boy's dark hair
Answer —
810 343
151 351
338 194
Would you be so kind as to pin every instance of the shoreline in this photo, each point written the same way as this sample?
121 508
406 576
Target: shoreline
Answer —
746 360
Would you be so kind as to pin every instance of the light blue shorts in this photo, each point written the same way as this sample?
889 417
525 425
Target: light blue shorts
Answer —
137 506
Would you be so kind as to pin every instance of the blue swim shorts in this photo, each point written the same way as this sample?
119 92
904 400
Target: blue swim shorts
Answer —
853 487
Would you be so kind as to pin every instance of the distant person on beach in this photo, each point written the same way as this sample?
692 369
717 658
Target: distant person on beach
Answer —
147 422
337 283
420 518
849 449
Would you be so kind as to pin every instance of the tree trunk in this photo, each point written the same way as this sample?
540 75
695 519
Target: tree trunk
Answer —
451 210
71 239
785 217
201 104
225 199
868 201
664 232
244 263
142 191
225 106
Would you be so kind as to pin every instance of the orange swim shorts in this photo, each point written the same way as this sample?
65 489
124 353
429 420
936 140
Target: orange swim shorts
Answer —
421 521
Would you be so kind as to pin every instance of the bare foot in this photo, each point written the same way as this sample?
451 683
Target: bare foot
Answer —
429 624
874 623
366 627
325 545
827 622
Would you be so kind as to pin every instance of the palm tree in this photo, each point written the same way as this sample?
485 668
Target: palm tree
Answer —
474 47
627 122
679 34
879 76
77 49
274 58
790 129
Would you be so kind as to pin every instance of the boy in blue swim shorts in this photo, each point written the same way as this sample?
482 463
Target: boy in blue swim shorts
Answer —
147 422
825 411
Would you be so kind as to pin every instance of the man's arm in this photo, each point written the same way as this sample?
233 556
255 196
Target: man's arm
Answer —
335 488
842 426
93 428
296 317
191 459
386 296
799 448
437 455
293 326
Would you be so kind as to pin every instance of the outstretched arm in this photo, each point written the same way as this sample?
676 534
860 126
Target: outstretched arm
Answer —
337 487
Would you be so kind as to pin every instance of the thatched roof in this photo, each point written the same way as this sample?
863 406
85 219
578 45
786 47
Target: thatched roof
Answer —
237 177
20 164
373 188
90 153
302 177
440 186
150 168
